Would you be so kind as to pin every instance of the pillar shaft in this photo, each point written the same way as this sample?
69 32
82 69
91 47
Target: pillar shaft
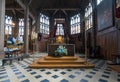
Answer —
38 31
26 29
2 18
94 29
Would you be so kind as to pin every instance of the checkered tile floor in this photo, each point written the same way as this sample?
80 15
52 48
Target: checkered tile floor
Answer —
20 72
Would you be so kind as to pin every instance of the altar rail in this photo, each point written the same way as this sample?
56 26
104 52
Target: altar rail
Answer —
52 47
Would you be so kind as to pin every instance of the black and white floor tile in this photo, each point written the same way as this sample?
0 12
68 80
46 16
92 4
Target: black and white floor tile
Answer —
20 72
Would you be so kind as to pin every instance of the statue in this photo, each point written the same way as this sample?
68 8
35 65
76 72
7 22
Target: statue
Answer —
60 39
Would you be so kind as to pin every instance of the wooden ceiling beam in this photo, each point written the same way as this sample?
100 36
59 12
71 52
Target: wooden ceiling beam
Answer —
14 9
22 12
21 4
24 7
54 12
68 9
65 12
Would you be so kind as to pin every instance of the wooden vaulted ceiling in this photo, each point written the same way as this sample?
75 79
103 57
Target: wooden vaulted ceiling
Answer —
50 7
14 9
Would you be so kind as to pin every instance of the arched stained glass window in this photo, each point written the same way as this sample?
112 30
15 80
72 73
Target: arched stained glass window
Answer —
44 24
88 17
99 1
8 25
59 30
75 24
21 26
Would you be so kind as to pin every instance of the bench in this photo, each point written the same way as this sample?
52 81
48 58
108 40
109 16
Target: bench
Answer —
10 56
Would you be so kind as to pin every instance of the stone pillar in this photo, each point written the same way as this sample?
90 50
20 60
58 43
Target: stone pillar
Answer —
52 22
67 29
84 36
51 27
26 29
37 31
82 27
2 18
94 29
68 26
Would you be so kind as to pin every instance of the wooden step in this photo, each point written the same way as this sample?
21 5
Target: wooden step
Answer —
88 65
61 58
63 62
59 61
115 67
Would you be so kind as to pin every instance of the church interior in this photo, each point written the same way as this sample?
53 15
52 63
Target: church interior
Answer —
59 40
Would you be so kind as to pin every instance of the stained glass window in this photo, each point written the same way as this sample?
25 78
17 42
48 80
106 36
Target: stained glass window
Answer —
88 17
59 30
44 24
75 24
8 25
99 1
21 26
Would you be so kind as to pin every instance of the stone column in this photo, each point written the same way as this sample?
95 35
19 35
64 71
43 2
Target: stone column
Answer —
82 27
2 18
94 29
67 29
68 25
37 31
52 22
84 36
26 28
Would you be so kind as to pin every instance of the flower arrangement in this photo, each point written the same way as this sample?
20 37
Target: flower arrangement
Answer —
61 51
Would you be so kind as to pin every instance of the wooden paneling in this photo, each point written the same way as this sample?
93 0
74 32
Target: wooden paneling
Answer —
75 39
118 41
43 46
107 40
43 43
89 37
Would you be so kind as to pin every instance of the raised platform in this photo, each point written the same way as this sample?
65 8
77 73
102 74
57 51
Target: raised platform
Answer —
61 62
115 67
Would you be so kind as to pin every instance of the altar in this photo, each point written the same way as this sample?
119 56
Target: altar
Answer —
61 54
52 47
58 58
